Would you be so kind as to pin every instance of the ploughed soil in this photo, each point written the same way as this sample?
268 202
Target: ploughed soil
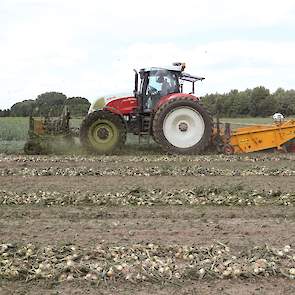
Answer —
272 286
241 228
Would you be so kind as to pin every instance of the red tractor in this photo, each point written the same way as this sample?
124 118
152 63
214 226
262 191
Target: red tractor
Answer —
159 108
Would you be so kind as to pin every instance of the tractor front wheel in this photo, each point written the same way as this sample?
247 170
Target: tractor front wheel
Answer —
102 132
182 126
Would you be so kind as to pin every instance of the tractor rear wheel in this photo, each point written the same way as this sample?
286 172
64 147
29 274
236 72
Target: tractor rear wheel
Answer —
182 126
102 132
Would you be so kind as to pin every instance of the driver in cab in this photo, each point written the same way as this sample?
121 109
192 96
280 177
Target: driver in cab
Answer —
165 87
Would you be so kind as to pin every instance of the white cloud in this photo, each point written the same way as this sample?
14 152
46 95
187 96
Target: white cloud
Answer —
226 65
90 47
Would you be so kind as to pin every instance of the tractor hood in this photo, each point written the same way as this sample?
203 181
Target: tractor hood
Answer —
101 102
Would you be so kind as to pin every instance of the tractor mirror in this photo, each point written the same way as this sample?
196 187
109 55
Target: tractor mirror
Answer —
135 83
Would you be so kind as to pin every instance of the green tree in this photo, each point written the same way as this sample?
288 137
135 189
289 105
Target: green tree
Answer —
50 103
242 104
4 113
209 102
285 101
22 109
78 106
257 101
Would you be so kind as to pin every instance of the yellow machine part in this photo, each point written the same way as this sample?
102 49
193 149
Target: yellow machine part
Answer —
262 137
38 127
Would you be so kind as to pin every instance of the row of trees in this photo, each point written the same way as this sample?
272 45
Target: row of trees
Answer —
5 113
49 103
251 102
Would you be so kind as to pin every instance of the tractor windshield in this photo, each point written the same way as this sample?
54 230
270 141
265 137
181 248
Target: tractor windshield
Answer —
163 83
157 84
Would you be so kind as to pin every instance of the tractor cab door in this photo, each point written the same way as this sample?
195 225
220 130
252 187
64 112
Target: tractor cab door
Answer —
157 84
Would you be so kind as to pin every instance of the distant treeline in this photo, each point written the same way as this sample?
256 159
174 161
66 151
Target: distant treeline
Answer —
257 102
49 103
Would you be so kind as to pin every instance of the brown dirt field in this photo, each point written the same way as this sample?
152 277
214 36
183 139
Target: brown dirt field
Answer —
237 227
227 287
240 228
118 183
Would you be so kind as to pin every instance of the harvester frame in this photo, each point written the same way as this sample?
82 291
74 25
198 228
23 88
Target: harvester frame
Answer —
45 132
279 135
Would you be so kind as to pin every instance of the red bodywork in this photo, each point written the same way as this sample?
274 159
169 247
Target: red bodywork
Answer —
127 105
123 106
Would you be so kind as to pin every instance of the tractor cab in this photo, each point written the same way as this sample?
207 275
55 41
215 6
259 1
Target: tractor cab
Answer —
156 83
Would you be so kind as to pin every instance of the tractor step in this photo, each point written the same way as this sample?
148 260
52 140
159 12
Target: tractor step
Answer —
143 135
146 129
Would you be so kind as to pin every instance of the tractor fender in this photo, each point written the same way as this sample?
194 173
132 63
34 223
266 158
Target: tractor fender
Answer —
172 96
118 105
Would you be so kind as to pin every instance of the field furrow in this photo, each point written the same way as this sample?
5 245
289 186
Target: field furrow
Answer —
119 223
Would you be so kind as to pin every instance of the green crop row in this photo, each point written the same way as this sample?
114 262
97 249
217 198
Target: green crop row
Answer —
13 128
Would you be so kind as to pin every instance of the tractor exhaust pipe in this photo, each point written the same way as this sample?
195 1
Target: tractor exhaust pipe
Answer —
135 83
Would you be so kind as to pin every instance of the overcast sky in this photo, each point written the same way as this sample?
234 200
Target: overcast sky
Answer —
88 48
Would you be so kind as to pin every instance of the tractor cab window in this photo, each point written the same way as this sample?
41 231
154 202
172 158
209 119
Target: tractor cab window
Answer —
159 84
154 86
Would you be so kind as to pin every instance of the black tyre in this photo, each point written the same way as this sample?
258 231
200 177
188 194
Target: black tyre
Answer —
33 148
182 126
102 132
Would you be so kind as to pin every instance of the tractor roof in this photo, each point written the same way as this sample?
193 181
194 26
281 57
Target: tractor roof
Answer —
176 67
190 78
155 69
183 76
